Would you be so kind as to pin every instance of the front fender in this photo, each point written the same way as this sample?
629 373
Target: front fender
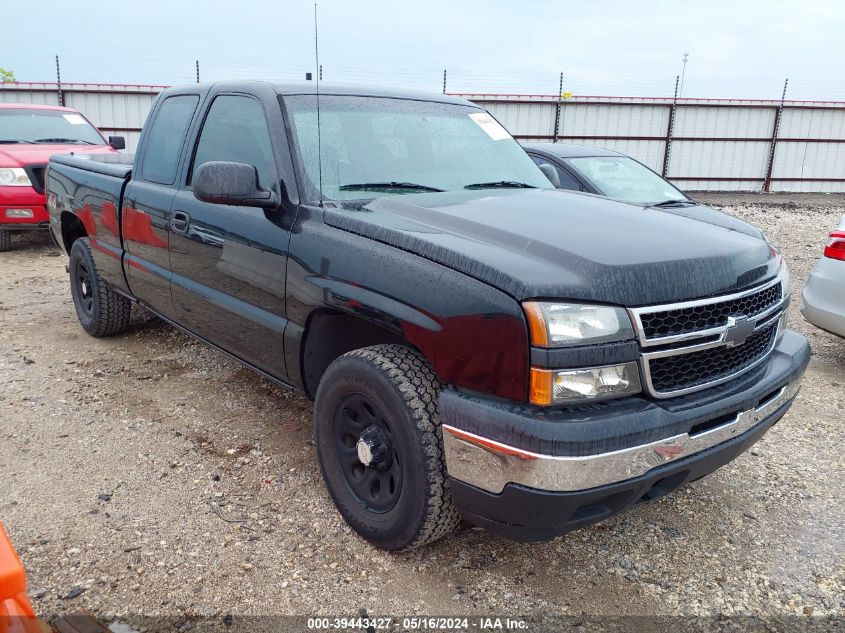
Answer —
474 335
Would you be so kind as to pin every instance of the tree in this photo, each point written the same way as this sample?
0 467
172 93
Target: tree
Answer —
6 76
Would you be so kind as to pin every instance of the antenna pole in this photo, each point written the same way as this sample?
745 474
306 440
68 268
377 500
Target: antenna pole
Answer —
319 135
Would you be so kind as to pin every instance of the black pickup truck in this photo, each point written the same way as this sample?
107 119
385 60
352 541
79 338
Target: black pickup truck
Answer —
478 344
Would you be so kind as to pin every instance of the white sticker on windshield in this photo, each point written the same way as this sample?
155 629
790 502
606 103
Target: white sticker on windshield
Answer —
74 119
490 125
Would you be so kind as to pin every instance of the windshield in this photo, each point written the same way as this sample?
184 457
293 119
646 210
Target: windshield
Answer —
623 178
373 146
46 126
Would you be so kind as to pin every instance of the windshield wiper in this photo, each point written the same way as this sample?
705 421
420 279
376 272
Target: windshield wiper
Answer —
375 186
62 140
501 184
14 140
673 203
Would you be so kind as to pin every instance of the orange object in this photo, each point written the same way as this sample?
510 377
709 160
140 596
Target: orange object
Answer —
540 391
16 614
490 445
536 324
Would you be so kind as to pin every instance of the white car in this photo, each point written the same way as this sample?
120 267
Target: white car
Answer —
824 294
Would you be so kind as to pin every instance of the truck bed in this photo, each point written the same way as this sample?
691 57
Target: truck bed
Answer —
90 187
117 165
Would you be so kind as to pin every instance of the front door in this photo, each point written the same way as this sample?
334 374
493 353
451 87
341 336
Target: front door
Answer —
145 214
229 262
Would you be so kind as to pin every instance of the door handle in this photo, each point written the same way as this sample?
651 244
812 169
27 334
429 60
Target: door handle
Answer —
179 222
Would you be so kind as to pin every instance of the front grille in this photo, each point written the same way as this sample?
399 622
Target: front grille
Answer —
710 315
36 176
685 371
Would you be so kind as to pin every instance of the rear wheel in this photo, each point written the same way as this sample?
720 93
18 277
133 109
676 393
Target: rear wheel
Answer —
101 310
380 446
5 240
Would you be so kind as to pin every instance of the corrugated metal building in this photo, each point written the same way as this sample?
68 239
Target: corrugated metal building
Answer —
700 144
114 108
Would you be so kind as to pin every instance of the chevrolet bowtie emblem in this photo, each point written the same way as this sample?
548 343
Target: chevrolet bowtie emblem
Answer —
739 329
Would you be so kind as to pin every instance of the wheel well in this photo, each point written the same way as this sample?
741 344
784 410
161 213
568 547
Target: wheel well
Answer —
72 230
330 334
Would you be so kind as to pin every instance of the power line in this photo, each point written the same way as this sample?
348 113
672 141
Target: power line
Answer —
460 80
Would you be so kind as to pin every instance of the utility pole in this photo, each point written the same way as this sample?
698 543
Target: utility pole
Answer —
444 82
683 72
198 70
670 129
557 111
767 184
60 94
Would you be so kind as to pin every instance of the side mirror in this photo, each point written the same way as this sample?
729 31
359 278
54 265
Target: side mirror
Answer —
551 174
117 142
222 182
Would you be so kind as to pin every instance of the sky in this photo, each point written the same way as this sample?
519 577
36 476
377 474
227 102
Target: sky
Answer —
741 48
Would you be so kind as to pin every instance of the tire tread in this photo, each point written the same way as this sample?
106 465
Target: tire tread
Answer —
114 309
418 387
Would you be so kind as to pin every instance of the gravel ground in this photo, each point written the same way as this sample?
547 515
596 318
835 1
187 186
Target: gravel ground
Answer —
146 474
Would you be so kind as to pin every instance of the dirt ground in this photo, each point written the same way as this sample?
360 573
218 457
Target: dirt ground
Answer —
148 475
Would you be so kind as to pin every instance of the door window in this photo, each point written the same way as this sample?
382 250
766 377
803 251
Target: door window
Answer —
567 181
235 130
164 144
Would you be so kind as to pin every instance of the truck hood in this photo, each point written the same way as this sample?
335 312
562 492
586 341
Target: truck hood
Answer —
23 154
554 244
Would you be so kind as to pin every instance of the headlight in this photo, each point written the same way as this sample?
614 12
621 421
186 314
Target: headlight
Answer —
567 324
13 177
785 288
785 279
552 386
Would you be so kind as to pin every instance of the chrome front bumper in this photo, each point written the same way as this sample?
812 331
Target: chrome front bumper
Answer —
491 465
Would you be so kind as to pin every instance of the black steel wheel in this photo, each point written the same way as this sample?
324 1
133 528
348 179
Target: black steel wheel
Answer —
83 282
368 458
380 446
102 311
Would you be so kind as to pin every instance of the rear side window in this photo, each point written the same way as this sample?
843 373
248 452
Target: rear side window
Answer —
235 130
164 144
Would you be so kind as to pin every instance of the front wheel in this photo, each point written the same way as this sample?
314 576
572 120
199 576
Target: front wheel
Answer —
102 311
5 240
380 446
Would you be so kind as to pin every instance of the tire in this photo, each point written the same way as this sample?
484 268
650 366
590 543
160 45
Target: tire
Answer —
411 506
5 241
101 310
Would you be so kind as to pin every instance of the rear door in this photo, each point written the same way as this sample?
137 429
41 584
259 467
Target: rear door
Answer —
229 263
145 215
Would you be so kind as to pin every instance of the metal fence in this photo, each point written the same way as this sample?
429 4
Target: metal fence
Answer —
700 144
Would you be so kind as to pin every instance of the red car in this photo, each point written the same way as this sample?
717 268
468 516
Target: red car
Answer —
29 135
